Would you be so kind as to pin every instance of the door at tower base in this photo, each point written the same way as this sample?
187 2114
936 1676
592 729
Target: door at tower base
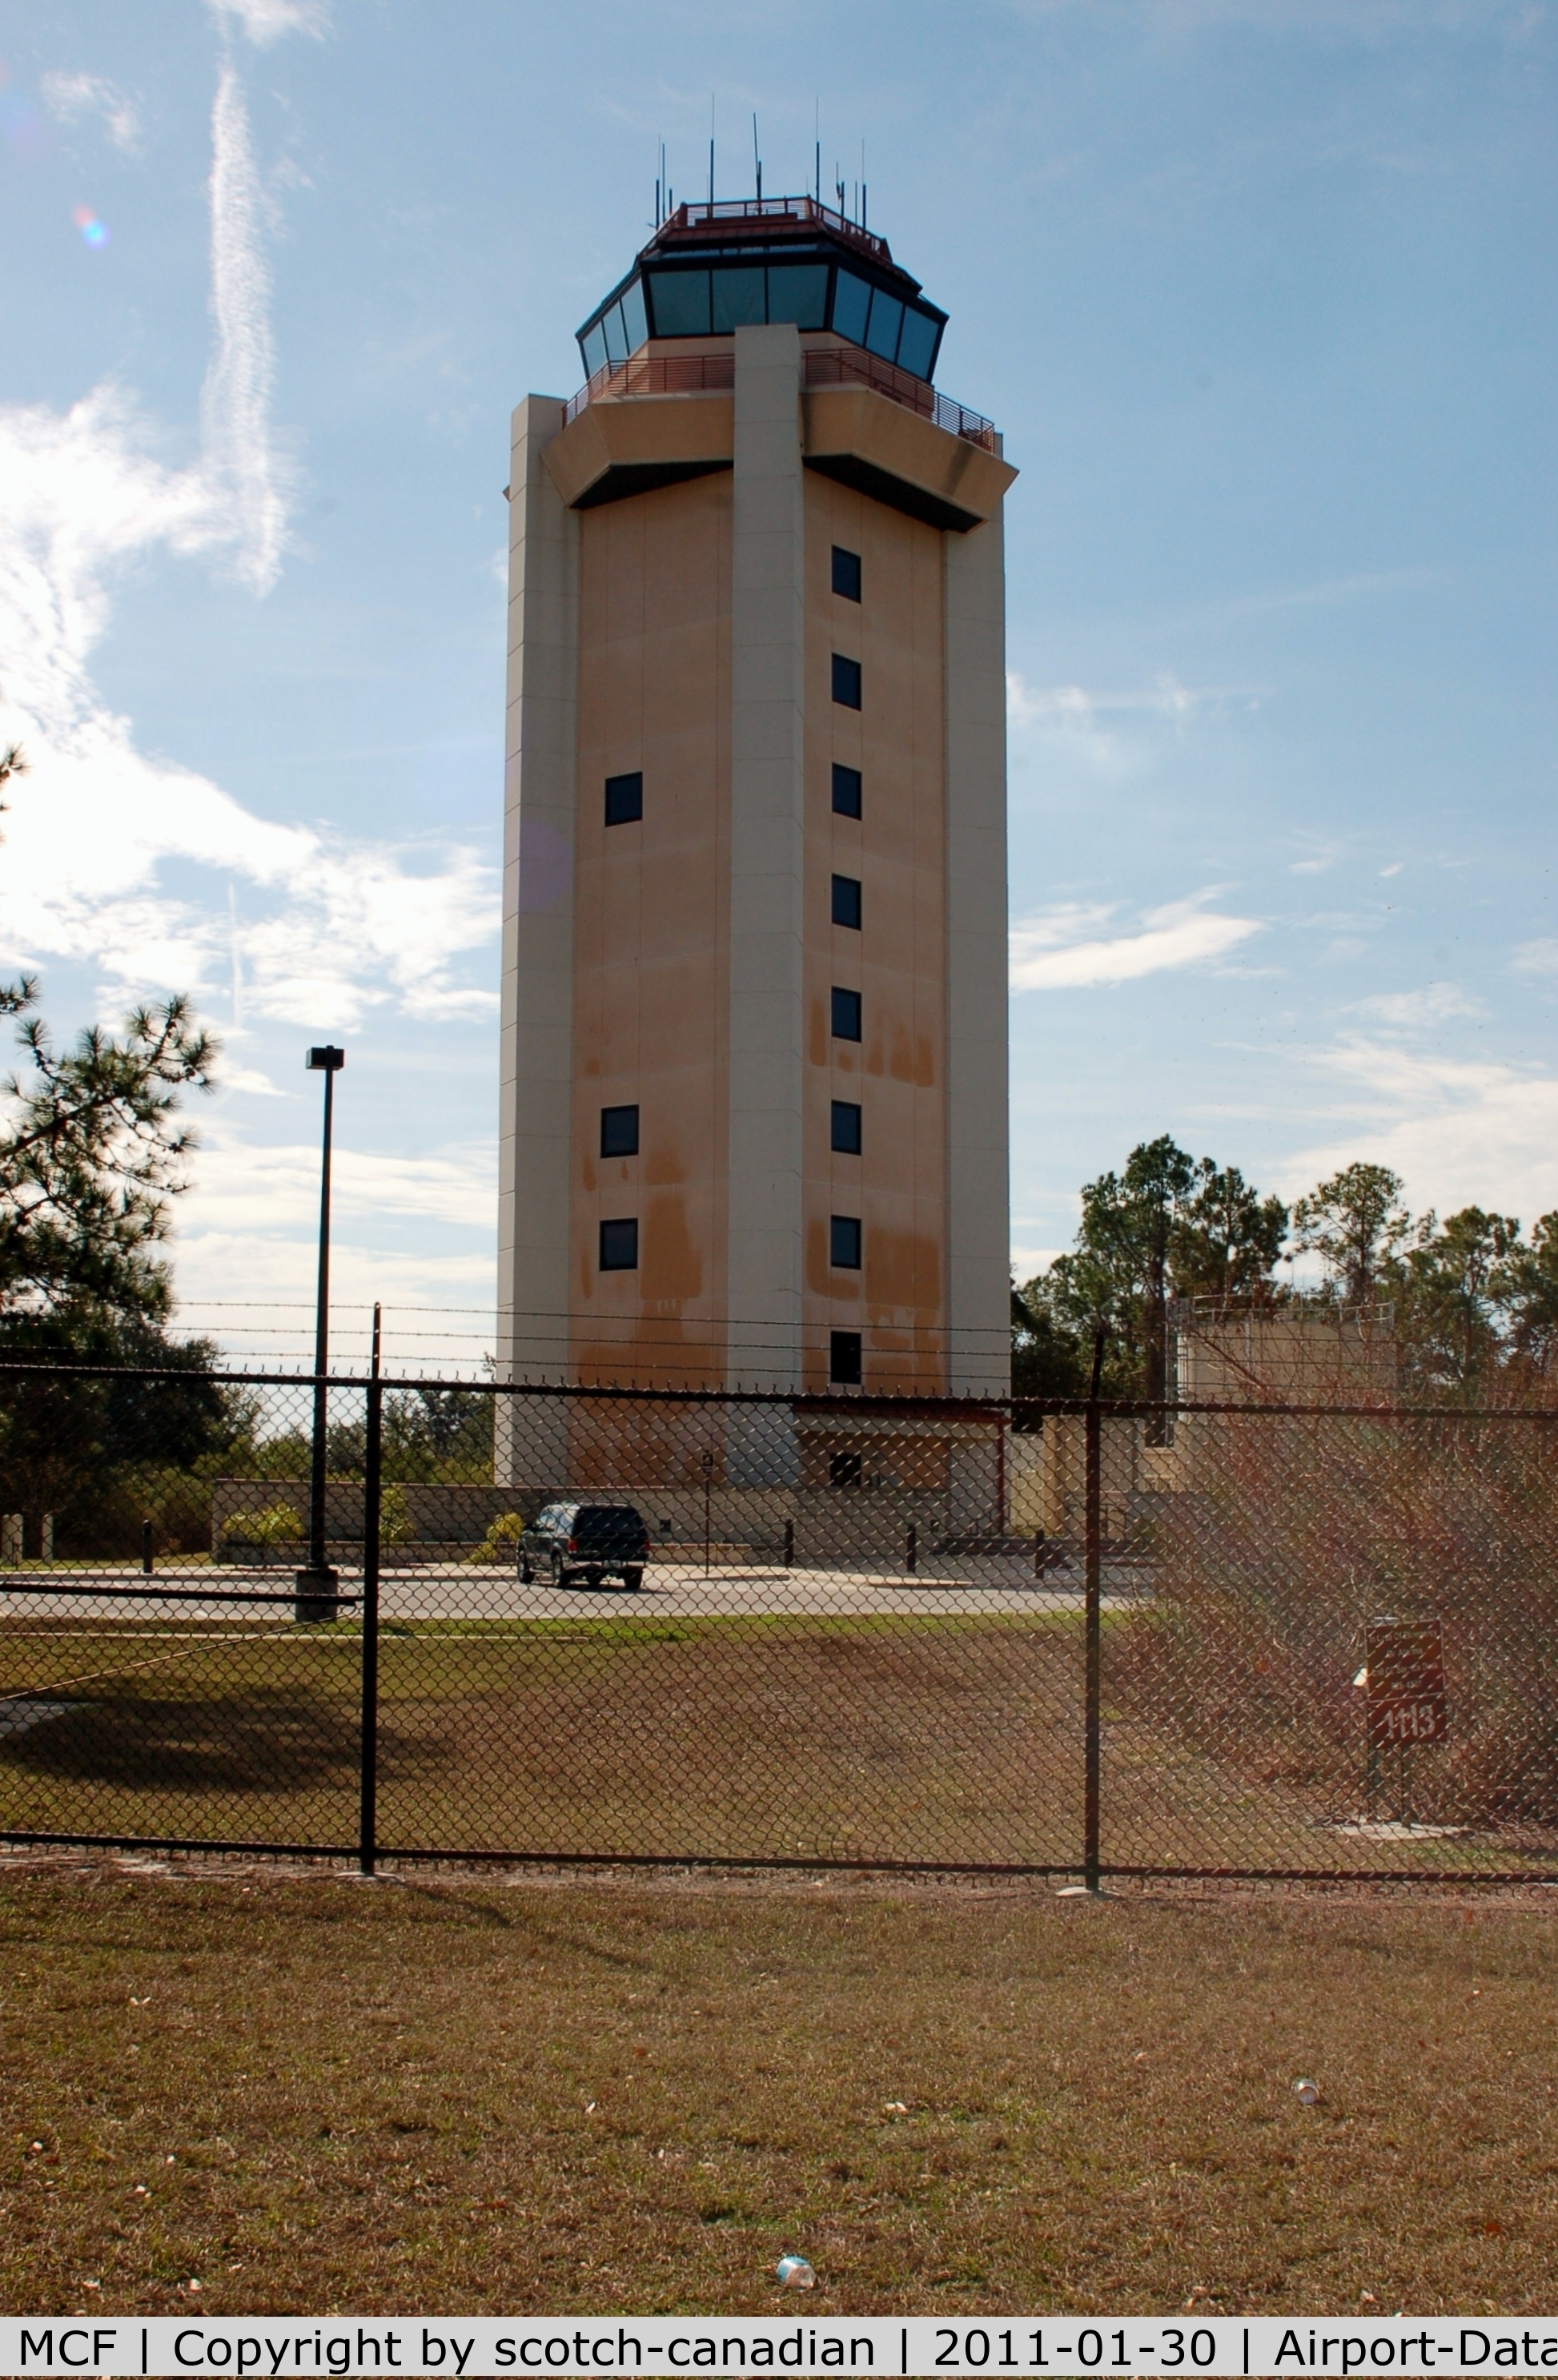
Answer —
799 913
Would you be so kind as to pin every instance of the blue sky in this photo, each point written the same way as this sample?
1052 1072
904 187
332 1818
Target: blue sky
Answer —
1259 291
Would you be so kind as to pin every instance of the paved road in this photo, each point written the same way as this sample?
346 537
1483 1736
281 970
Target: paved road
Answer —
968 1584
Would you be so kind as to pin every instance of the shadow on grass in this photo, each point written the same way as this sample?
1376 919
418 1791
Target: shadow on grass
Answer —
266 1740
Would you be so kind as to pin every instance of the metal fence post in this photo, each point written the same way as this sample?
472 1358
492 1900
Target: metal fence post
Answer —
1092 1628
368 1822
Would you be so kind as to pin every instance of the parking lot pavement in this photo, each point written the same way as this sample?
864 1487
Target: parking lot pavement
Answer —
465 1591
974 1585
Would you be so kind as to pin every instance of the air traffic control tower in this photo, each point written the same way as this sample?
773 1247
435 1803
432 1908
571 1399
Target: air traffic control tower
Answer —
753 1126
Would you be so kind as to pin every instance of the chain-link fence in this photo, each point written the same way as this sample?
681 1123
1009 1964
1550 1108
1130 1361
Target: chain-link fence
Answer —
1252 1639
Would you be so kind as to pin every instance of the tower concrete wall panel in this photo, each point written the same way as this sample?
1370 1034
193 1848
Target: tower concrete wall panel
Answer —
767 841
536 1004
979 1231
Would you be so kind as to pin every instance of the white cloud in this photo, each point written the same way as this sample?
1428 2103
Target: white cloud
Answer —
327 927
1459 1132
265 21
1536 958
246 1252
1412 1011
69 97
245 1191
1066 946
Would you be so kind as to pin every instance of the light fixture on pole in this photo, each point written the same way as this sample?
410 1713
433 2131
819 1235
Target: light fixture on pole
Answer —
315 1597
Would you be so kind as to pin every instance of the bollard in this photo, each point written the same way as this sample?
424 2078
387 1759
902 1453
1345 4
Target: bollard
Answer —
46 1538
146 1562
790 1544
911 1559
1038 1553
10 1539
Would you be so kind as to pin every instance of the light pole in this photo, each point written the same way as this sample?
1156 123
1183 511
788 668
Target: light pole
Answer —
315 1597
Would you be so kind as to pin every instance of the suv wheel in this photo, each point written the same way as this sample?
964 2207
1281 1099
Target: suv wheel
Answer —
528 1576
633 1580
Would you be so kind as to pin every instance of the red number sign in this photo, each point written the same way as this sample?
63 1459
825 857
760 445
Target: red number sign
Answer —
1406 1683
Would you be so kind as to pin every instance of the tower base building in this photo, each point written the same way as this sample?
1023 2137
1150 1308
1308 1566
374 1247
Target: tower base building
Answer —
754 1127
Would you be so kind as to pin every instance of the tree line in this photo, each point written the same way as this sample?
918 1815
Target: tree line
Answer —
1473 1300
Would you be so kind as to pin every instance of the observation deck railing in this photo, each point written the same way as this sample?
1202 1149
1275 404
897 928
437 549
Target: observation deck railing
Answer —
673 376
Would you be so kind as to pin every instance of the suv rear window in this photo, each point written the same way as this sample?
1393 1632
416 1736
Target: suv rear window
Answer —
605 1520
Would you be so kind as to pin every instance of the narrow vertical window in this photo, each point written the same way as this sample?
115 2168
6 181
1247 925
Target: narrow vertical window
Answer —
845 682
846 1015
619 1132
846 573
843 1358
847 1127
846 791
618 1244
843 1243
846 901
624 798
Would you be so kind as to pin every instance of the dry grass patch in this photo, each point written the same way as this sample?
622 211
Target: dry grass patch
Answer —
571 2095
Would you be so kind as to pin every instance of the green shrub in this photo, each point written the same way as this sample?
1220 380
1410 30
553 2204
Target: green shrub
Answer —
501 1541
277 1525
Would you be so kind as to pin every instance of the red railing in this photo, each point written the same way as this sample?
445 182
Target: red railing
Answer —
856 367
698 217
655 376
825 367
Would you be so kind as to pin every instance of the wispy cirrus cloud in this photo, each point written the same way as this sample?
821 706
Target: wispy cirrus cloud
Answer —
69 97
265 21
236 401
1083 709
1068 945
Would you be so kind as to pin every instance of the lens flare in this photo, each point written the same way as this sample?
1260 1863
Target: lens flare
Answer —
95 234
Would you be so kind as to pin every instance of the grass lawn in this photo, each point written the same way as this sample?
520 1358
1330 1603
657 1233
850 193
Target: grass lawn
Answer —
578 2096
948 1739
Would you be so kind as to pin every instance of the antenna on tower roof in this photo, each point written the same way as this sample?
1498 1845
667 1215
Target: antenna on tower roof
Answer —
757 160
817 127
711 148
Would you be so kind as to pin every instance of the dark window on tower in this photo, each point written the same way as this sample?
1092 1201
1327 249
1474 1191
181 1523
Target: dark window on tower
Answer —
619 1246
846 1015
844 1470
846 901
619 1132
843 1243
624 798
843 1358
846 1127
845 682
846 573
846 790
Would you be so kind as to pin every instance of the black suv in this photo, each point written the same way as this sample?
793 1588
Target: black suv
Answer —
589 1540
